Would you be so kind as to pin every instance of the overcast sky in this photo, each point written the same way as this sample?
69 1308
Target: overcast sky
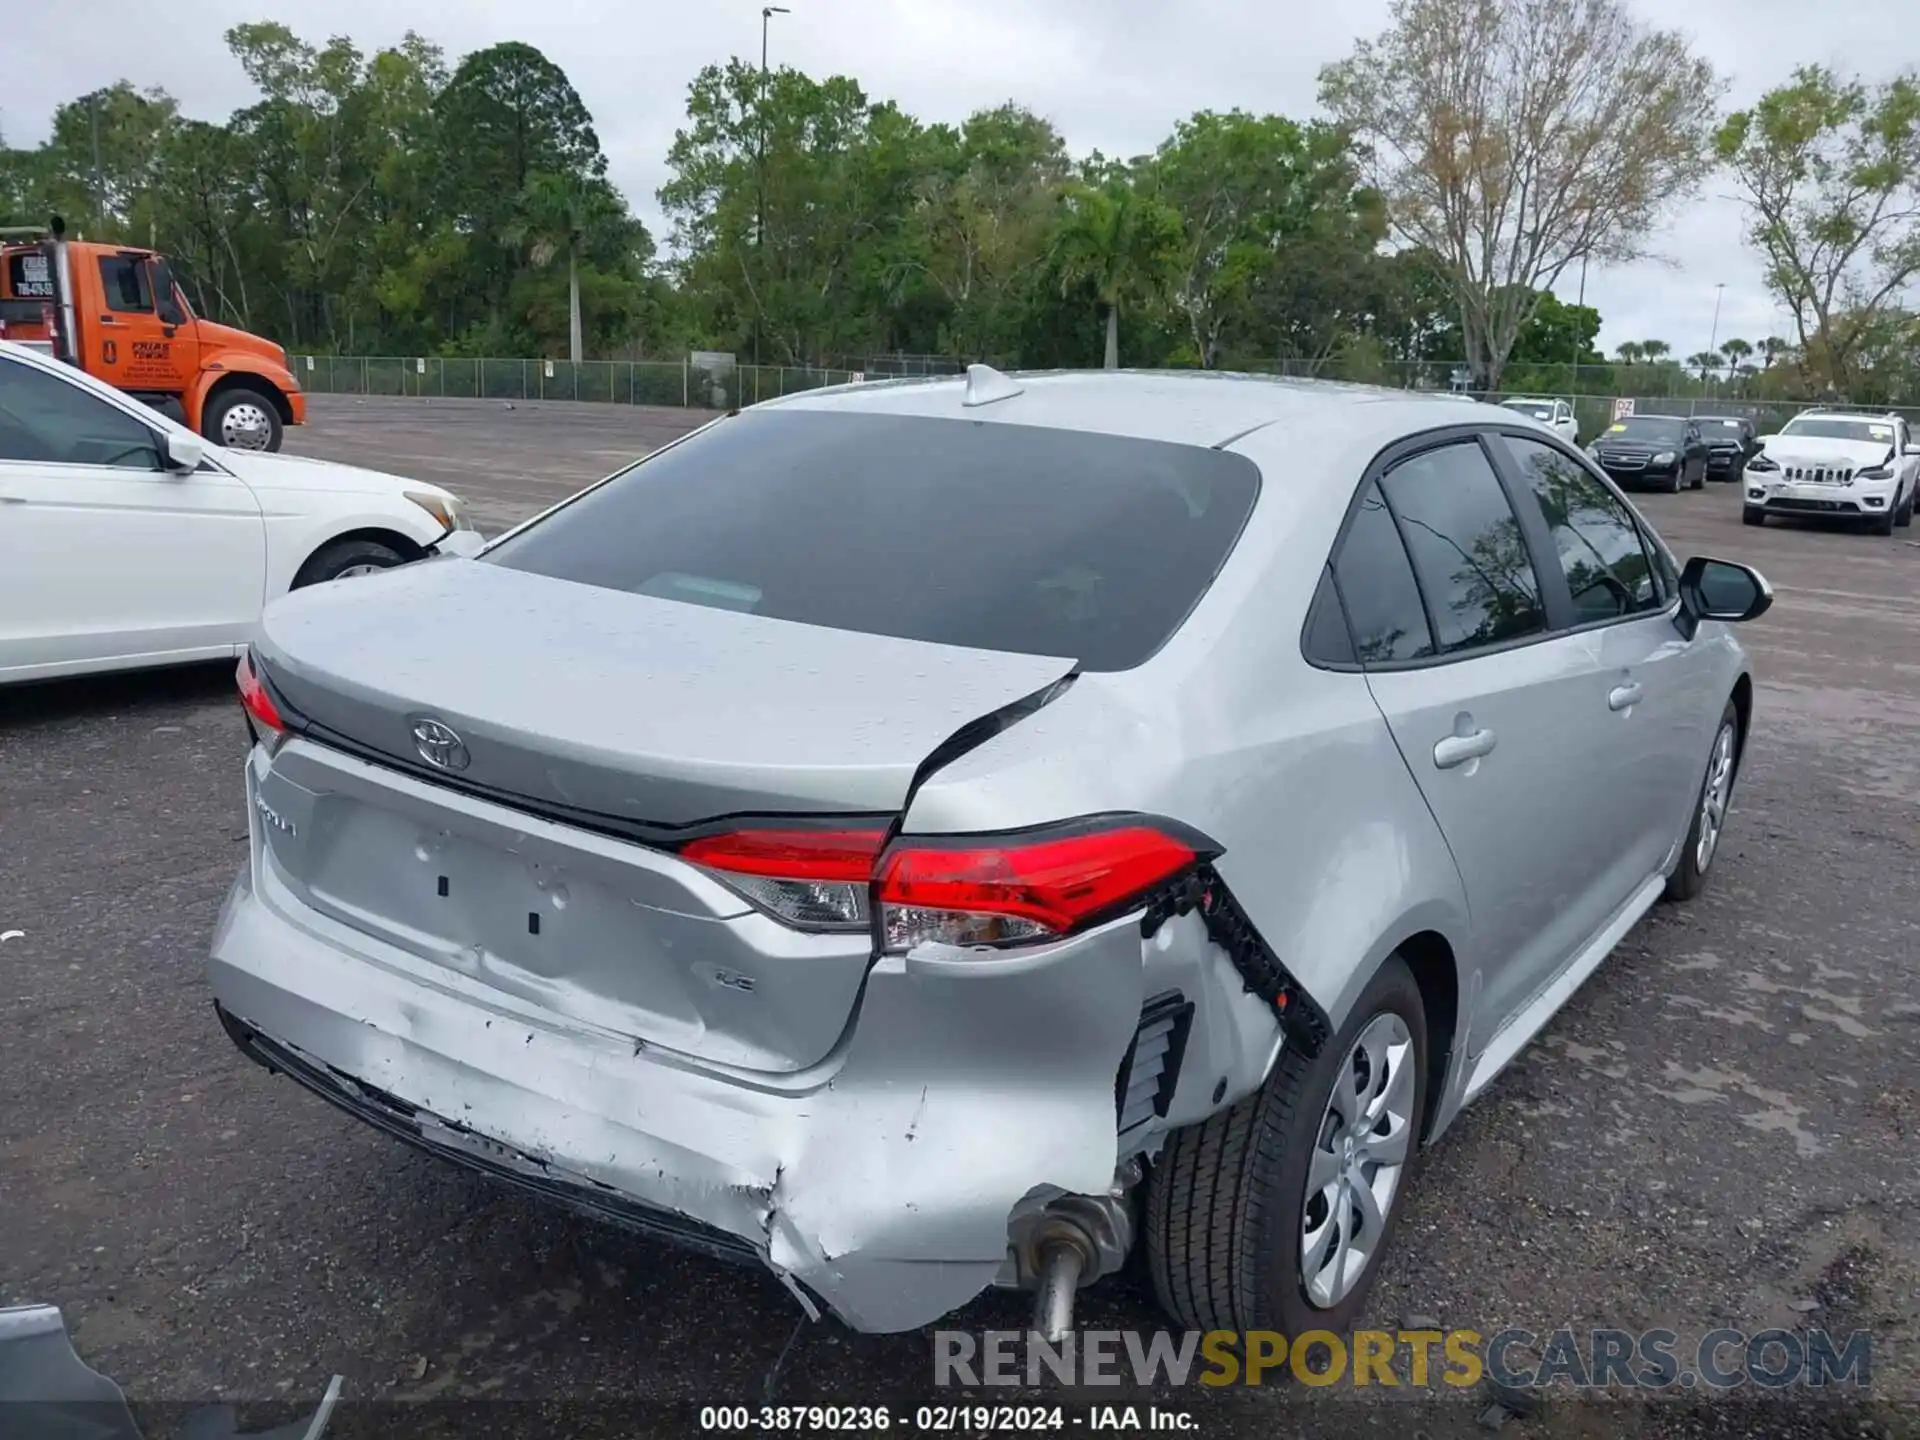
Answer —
1113 75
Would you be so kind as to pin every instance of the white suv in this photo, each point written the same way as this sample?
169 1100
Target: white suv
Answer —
1836 464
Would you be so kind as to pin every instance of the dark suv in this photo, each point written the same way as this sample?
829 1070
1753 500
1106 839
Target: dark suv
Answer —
1731 443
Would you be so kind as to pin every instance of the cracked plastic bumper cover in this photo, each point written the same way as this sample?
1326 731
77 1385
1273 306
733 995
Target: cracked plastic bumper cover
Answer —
880 1182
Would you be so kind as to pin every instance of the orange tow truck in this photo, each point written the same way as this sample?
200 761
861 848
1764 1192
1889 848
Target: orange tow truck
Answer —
118 313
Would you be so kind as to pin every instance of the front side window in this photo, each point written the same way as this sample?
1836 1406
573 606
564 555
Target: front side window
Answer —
1377 586
1601 554
124 278
995 536
45 420
1467 548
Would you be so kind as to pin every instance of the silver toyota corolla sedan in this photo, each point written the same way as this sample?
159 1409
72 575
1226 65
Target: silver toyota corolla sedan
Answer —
924 836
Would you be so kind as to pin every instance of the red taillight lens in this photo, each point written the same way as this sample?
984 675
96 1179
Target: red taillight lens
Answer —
1018 890
962 890
813 879
268 728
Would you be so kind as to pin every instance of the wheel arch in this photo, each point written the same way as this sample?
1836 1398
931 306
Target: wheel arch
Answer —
212 389
406 545
1429 955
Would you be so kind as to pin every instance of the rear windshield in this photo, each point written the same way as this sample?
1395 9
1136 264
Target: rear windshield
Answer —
1875 432
1537 409
1725 424
1648 427
960 532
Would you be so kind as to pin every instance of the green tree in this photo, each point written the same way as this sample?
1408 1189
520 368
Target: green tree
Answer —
1630 352
1831 174
1121 244
1512 138
1263 202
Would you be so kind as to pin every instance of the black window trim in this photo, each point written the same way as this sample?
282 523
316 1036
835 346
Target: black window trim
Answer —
1555 598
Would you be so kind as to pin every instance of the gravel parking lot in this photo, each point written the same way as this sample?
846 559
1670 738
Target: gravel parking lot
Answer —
1719 1130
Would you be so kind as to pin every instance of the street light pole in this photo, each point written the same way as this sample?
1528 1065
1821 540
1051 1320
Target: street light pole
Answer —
767 12
1714 336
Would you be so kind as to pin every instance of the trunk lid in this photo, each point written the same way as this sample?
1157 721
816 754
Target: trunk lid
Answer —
589 719
653 713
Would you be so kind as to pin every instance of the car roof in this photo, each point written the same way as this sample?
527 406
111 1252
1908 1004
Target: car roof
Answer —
1193 407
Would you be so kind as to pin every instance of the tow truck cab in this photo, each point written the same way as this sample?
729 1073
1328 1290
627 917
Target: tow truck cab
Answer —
118 313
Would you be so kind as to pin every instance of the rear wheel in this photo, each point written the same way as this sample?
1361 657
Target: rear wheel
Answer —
343 559
1273 1214
242 419
1709 811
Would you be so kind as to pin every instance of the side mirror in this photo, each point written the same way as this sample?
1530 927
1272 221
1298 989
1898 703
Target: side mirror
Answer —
1912 450
182 452
1721 590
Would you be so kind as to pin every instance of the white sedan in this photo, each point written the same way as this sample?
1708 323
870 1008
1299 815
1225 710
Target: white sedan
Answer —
128 541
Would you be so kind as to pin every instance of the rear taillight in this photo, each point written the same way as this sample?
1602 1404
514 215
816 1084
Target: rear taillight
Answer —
977 890
812 879
263 717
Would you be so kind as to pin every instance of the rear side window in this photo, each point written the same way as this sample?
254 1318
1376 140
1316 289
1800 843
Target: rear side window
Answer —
1376 583
1467 547
125 281
994 536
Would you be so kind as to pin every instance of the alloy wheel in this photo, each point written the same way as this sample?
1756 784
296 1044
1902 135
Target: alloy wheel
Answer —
1361 1151
1714 797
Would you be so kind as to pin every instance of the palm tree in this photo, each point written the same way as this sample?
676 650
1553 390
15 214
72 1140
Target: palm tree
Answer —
1121 241
1655 350
555 214
1771 349
1704 361
1630 353
1736 352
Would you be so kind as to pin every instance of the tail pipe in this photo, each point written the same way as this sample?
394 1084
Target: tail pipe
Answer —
1063 1260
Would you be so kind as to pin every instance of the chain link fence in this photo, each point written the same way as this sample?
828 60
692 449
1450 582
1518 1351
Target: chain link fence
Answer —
678 383
1594 391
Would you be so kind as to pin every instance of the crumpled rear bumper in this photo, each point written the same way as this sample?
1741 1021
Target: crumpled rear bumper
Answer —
879 1183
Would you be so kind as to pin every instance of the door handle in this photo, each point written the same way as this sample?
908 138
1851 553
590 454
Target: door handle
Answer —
12 500
1623 696
1458 749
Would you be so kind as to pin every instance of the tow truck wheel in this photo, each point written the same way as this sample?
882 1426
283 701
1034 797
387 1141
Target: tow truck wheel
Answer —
242 419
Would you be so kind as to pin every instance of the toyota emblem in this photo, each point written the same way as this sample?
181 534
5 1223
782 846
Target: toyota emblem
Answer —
439 745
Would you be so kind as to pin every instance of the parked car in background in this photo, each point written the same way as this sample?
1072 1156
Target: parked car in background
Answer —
891 904
1731 442
126 540
1556 415
1838 466
1664 452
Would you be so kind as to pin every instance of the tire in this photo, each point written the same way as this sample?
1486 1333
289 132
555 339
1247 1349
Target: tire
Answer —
1881 524
1752 515
1679 475
1903 516
1689 877
1227 1198
339 557
242 419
